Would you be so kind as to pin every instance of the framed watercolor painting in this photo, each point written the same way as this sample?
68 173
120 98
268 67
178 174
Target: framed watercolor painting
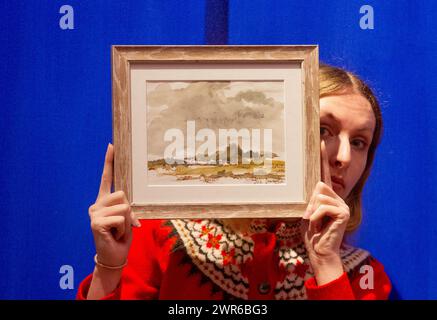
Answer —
216 131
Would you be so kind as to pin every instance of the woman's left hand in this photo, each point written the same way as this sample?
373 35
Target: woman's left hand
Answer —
323 227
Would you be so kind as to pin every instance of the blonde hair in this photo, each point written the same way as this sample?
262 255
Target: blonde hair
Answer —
337 81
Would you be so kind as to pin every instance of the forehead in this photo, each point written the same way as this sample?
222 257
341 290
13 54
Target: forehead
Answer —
351 110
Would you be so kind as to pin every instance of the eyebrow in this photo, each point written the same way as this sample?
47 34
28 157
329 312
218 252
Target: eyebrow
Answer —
334 118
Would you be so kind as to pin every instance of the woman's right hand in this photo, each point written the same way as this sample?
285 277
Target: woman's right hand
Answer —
111 223
111 219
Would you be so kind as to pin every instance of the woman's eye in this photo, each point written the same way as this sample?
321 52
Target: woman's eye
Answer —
324 132
360 144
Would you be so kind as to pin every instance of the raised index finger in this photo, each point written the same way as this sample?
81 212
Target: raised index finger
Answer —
326 172
106 181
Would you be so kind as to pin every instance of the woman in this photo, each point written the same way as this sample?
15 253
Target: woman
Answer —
254 258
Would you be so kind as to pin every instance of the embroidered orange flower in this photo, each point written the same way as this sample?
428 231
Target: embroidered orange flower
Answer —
213 241
206 230
228 257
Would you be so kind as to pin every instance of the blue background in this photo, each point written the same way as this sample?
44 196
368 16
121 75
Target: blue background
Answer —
55 100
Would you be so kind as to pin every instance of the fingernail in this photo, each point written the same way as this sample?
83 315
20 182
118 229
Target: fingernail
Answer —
307 214
137 223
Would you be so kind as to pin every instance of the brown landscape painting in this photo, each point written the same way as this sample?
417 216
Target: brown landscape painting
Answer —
215 132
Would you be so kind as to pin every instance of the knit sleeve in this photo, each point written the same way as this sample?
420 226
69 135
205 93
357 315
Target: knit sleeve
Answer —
148 257
370 284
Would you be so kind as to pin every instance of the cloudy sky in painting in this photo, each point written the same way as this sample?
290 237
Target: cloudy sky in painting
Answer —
214 105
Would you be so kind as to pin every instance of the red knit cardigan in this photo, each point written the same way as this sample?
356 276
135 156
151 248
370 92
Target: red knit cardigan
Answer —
160 268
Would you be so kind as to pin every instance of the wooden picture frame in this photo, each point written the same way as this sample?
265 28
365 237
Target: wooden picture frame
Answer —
152 88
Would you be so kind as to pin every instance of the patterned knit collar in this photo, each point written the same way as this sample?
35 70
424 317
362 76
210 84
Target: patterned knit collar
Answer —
221 254
282 229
